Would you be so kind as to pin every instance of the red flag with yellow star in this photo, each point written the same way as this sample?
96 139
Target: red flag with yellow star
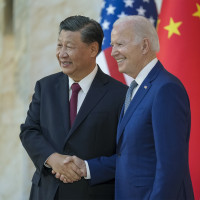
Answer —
179 35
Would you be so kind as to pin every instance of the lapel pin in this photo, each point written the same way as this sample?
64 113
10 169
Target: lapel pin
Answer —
145 87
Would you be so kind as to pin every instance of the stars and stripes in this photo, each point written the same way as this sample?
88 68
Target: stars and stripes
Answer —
111 11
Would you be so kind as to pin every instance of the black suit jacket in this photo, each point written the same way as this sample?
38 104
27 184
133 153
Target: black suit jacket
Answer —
93 134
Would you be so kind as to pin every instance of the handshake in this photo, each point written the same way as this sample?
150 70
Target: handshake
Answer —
67 168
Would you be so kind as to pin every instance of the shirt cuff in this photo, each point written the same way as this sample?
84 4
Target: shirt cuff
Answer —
45 163
88 170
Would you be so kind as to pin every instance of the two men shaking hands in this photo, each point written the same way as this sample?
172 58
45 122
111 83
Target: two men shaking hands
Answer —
67 168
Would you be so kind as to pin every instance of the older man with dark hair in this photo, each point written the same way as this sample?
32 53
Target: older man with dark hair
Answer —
73 112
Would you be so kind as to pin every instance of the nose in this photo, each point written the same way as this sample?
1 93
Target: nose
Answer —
62 53
114 51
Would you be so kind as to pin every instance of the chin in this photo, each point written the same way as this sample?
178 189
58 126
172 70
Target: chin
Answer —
66 71
121 70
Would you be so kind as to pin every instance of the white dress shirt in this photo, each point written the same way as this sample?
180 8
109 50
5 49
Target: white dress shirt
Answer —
85 84
143 74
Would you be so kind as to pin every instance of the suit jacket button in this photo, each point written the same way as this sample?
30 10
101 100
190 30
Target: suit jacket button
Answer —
119 154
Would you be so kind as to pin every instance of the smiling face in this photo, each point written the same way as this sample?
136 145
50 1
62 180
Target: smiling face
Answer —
76 58
124 50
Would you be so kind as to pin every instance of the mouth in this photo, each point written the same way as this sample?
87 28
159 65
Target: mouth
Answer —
120 60
65 64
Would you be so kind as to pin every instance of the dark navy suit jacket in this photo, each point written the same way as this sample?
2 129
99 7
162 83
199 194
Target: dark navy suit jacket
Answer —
93 134
152 143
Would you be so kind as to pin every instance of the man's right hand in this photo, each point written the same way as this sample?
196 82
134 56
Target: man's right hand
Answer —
65 171
78 162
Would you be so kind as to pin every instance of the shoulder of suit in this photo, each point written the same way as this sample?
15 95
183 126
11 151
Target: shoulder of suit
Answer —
113 81
167 79
117 83
52 77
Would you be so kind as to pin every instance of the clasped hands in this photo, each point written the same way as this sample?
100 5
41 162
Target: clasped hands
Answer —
67 168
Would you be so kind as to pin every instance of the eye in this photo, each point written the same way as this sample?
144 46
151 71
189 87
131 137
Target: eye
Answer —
119 44
59 45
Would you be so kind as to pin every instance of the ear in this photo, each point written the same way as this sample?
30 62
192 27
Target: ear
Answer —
94 46
145 46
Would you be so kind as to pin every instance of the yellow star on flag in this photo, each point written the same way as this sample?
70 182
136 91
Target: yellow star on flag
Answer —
172 28
197 14
158 22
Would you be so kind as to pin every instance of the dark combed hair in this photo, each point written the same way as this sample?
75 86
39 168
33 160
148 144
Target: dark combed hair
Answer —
90 30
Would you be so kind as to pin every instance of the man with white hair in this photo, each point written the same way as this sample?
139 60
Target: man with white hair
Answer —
154 129
154 126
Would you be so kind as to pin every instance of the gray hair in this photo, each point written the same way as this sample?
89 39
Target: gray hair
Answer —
142 28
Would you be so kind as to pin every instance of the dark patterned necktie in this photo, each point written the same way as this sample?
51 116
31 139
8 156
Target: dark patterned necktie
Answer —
129 94
73 102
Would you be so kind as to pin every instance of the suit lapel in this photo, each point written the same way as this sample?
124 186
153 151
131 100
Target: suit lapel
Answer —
94 95
132 107
142 91
62 109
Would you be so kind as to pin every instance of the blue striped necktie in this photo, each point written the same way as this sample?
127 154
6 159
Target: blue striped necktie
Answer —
129 94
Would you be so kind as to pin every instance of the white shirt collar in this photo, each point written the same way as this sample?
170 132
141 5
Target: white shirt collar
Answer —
145 71
86 82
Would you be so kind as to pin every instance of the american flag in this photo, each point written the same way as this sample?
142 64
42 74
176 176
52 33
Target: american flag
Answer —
111 11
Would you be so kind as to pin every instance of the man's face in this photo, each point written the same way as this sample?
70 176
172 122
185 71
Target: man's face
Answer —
74 56
127 54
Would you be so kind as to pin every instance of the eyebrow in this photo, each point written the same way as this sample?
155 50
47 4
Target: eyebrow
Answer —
67 42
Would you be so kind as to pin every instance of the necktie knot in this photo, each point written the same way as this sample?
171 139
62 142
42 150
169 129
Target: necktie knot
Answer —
132 86
129 94
75 88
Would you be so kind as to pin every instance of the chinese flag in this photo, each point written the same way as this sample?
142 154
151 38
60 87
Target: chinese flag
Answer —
179 35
